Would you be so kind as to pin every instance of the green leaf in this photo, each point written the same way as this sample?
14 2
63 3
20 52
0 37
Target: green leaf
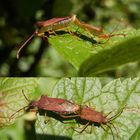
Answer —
46 85
13 132
112 97
72 48
136 135
116 53
91 55
12 99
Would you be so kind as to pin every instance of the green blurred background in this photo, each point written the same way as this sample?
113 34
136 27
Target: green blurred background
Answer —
17 21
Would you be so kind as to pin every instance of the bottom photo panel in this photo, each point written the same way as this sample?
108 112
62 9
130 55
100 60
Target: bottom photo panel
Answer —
69 108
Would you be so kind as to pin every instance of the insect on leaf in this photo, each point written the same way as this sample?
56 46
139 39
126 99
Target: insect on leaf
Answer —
117 95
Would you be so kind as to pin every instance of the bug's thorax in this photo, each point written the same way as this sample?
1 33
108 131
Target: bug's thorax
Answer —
37 102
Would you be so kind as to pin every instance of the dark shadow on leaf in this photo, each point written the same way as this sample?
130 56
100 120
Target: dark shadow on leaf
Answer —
64 120
79 35
84 122
55 115
30 134
51 137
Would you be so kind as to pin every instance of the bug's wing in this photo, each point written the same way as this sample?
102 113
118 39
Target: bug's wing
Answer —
50 21
57 105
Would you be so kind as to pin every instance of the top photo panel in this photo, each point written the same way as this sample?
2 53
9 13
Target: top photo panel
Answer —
55 38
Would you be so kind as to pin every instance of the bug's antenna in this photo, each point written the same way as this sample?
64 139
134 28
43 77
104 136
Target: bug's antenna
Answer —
17 112
22 107
117 115
25 96
24 43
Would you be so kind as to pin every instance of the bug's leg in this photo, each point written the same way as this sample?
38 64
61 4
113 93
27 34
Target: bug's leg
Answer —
93 29
83 129
52 32
90 34
67 121
111 131
67 117
104 38
115 130
89 132
39 122
91 129
89 28
68 30
102 125
76 22
108 36
71 116
47 119
43 35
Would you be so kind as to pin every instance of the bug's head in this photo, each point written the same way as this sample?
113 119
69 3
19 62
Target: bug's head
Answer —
34 104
